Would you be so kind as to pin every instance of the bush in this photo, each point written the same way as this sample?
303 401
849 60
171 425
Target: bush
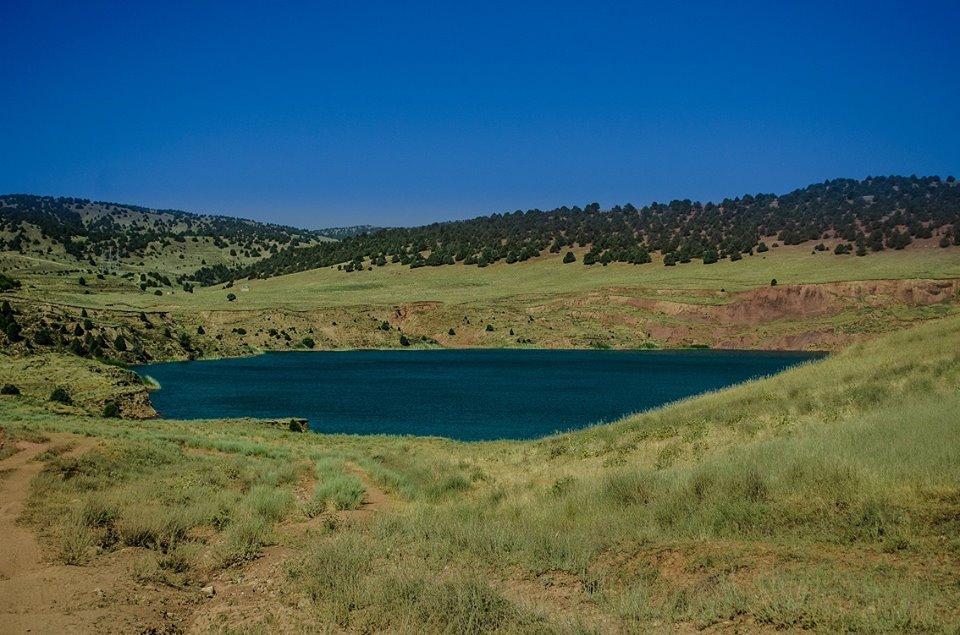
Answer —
60 395
773 282
489 328
451 332
343 491
9 389
308 342
231 297
111 410
403 340
7 283
569 257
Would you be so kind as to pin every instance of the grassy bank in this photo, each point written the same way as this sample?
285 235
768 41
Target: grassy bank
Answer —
826 497
820 302
541 277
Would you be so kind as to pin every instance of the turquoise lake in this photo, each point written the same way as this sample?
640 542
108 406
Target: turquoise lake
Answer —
461 394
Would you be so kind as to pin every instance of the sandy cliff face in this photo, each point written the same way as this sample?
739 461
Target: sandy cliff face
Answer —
811 317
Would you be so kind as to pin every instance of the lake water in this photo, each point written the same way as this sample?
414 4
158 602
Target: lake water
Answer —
462 394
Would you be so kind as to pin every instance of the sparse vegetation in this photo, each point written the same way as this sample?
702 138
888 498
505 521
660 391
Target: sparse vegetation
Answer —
880 212
60 395
802 501
726 506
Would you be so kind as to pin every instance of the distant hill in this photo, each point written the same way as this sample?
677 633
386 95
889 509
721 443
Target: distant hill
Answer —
99 232
844 216
339 233
854 217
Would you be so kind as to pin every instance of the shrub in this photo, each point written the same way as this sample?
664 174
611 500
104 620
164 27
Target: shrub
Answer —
75 542
403 340
343 491
489 328
60 395
569 257
269 503
9 389
451 332
773 282
231 297
243 540
98 513
43 338
7 283
111 410
308 342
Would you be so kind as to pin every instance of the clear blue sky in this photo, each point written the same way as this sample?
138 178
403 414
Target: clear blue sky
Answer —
396 113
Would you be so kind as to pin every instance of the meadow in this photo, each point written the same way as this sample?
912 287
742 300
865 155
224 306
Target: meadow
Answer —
822 498
541 277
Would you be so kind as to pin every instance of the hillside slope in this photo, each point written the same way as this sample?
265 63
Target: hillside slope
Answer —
113 237
843 216
823 498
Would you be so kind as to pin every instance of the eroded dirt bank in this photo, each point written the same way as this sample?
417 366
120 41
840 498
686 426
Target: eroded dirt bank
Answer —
806 317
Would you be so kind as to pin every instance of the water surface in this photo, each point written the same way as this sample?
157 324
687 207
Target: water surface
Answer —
462 394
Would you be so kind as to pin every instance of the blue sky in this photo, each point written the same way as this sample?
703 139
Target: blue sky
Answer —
319 114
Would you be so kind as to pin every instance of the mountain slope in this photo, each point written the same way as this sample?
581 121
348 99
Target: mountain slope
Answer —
842 215
74 231
825 498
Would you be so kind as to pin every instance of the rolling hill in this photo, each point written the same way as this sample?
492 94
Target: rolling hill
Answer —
843 216
119 282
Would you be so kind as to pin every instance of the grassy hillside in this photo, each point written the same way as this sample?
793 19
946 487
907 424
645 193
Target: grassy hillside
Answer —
841 216
111 281
43 234
820 302
545 276
823 498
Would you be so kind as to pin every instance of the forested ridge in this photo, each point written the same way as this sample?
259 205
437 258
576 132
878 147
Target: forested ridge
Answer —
845 216
94 229
857 217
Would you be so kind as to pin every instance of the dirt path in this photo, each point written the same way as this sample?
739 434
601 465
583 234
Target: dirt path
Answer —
19 551
253 596
37 596
29 588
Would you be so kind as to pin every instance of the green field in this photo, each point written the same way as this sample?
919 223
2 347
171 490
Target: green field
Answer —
824 498
541 277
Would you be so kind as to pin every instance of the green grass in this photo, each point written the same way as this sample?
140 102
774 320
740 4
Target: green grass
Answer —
335 488
825 498
541 277
540 303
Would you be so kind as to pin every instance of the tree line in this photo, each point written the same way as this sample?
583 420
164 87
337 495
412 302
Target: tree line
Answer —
865 216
